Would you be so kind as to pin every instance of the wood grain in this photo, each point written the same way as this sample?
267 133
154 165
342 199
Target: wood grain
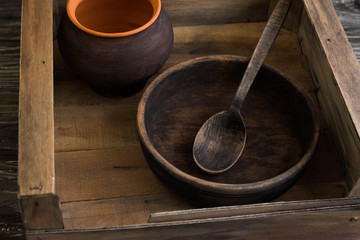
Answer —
11 226
348 12
76 116
41 212
105 173
36 147
292 20
240 39
265 208
195 12
82 185
36 175
119 211
93 134
262 49
338 223
338 93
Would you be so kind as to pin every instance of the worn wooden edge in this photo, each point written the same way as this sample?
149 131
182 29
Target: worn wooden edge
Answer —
285 207
36 162
319 220
41 212
337 74
36 115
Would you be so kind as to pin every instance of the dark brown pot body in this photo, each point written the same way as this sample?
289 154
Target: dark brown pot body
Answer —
118 65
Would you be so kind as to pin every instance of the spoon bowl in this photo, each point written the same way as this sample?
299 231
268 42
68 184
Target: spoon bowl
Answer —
225 139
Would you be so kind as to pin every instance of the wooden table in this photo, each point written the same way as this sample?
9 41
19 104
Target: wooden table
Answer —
10 16
10 20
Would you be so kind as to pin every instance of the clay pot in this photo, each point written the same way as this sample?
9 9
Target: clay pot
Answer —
115 45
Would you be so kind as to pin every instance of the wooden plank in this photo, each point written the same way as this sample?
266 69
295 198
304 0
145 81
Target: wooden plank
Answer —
105 173
36 132
137 209
241 39
11 226
326 47
348 12
41 212
80 181
195 12
36 177
119 211
333 223
264 208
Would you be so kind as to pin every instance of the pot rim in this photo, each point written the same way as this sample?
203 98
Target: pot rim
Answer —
228 189
156 4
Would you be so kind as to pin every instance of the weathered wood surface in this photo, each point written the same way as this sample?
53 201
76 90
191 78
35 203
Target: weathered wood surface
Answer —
341 222
348 12
106 161
246 210
10 21
36 160
9 74
36 137
215 12
325 45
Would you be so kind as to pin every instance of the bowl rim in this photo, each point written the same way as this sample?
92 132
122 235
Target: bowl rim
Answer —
156 4
227 188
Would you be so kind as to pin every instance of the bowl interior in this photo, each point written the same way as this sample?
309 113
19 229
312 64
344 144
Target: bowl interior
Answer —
277 118
113 18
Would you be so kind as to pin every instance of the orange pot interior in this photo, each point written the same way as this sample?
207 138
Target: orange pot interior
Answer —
113 18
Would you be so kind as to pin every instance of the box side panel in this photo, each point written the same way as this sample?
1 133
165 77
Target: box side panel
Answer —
337 75
36 177
251 209
194 12
328 223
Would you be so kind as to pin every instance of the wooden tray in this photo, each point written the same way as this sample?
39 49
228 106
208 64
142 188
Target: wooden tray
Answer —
82 174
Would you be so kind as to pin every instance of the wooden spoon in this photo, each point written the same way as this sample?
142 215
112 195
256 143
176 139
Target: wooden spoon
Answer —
221 139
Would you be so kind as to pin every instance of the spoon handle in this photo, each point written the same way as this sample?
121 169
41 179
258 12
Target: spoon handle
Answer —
262 49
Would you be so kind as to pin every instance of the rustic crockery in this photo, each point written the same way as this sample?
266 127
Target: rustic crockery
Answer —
281 118
221 139
115 45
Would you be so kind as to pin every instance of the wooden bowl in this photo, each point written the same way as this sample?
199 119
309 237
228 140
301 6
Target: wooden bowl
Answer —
115 45
280 118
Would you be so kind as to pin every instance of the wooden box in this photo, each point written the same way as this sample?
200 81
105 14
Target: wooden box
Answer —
82 174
